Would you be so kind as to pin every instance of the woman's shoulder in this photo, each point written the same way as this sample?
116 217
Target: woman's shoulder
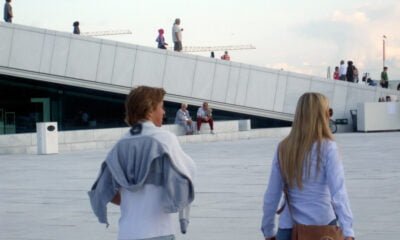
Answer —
329 143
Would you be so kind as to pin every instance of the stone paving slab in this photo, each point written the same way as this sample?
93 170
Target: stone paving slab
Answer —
44 196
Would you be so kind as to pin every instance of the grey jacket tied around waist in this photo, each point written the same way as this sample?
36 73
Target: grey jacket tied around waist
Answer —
138 160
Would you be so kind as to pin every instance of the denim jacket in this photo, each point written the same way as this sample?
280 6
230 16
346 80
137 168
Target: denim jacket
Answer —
142 159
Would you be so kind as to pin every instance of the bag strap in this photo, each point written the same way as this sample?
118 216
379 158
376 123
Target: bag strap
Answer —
286 193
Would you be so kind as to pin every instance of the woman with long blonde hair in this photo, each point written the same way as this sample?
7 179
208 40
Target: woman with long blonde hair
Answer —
308 164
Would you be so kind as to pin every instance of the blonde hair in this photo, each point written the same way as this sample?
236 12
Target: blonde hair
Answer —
310 125
140 102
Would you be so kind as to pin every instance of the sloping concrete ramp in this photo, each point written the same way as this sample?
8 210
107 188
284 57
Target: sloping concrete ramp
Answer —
64 58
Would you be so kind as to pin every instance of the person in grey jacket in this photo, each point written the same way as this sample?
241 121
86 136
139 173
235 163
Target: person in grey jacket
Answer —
146 173
184 119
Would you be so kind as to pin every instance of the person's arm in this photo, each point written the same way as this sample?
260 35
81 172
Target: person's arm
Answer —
10 10
187 115
272 197
335 179
163 41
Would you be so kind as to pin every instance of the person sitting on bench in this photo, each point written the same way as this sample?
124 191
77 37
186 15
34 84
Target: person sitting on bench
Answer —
183 118
204 115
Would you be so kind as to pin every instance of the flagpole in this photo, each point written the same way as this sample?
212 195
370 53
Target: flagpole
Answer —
383 50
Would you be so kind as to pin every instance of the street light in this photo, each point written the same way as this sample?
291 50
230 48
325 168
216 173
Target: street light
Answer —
383 50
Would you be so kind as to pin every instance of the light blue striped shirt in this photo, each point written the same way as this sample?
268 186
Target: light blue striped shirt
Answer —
322 196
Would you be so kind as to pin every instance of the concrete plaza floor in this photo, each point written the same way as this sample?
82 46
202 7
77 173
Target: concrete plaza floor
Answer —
44 197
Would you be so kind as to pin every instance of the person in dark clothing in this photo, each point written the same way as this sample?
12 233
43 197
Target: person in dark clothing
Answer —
370 82
350 72
76 28
8 14
212 55
398 87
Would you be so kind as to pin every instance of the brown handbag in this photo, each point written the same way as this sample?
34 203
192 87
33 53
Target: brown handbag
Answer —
312 232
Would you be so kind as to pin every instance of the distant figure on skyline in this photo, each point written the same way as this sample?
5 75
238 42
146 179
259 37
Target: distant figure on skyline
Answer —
76 28
336 73
8 14
177 35
364 79
342 71
350 72
226 56
161 40
355 74
212 55
384 78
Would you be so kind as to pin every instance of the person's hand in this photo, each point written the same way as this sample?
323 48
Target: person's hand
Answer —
205 118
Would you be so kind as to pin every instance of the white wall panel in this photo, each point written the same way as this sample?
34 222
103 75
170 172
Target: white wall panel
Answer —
203 80
242 86
261 90
280 91
6 34
295 87
179 75
83 59
233 83
106 63
47 52
220 85
60 55
357 95
324 87
338 103
383 92
26 50
149 68
123 66
57 53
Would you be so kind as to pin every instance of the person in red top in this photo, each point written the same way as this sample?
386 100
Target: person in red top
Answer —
161 40
336 74
226 56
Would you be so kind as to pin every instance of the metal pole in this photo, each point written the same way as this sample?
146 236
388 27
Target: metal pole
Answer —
384 51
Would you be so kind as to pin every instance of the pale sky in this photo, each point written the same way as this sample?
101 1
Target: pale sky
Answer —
304 36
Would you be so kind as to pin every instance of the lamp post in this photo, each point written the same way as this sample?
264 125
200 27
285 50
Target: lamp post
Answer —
383 50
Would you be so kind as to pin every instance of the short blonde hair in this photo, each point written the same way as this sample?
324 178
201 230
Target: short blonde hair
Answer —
140 102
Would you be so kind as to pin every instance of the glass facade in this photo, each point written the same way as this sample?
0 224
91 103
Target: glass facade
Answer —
23 102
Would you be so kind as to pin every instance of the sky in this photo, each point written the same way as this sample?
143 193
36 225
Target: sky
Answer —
304 36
